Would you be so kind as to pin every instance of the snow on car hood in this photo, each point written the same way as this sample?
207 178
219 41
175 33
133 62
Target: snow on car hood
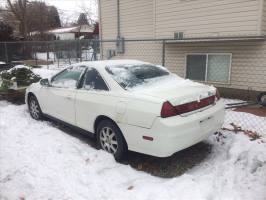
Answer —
175 89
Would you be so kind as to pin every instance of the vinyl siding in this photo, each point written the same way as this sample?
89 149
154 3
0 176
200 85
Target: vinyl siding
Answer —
196 18
203 18
108 26
145 51
264 18
136 18
248 69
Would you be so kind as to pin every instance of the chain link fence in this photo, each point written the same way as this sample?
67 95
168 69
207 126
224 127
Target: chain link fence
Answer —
60 54
243 117
55 53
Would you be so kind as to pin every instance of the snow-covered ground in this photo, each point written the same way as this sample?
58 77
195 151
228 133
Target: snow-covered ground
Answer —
39 161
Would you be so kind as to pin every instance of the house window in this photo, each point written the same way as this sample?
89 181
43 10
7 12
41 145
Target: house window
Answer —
209 67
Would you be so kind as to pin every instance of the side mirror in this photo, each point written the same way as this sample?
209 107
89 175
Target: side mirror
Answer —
45 82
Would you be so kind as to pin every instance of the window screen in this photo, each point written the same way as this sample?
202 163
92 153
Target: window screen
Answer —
196 67
94 81
218 68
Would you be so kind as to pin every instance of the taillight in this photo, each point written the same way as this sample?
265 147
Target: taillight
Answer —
168 110
217 95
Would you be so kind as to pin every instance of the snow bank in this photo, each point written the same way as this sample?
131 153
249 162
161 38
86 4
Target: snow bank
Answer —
39 161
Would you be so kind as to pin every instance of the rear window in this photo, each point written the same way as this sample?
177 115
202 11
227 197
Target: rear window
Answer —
130 76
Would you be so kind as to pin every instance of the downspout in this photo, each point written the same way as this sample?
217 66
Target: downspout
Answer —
100 28
120 44
118 19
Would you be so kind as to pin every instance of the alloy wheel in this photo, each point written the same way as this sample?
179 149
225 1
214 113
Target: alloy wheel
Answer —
34 109
108 140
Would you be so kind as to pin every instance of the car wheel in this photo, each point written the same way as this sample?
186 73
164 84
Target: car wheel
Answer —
262 98
34 108
110 139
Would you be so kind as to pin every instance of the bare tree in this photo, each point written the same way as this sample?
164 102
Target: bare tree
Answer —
90 10
19 10
36 17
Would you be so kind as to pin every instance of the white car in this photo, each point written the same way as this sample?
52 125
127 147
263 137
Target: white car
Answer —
129 105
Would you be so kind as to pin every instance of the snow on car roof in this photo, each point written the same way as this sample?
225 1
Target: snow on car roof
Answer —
104 63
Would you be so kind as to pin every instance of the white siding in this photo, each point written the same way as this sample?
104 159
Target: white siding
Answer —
145 51
248 61
196 18
202 18
264 18
136 18
108 21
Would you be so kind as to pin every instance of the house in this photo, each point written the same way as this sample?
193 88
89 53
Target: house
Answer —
74 32
218 42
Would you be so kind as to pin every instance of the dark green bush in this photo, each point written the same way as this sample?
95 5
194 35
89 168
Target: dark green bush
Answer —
24 77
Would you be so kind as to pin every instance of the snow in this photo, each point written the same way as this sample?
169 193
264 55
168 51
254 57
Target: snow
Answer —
2 63
45 73
39 161
132 76
43 56
64 30
65 83
18 67
246 121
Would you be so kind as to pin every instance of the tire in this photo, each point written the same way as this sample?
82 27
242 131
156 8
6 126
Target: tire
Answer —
34 108
262 98
111 140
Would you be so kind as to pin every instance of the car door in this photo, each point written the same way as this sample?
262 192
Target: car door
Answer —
58 99
92 100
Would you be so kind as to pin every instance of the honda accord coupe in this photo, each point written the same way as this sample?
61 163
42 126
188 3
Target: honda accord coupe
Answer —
129 105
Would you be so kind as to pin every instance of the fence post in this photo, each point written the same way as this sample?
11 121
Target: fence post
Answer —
163 53
47 55
6 53
94 50
80 50
35 54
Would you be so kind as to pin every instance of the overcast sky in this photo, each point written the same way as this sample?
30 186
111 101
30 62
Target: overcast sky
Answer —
70 9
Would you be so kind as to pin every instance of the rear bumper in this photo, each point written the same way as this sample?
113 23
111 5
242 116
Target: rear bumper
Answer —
175 133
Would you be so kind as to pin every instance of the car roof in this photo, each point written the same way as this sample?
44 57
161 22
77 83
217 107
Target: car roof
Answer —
104 63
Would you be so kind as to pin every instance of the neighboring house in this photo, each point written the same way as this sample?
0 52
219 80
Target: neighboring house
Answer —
220 42
71 33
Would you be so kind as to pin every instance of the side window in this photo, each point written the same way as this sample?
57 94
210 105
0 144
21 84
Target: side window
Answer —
94 81
67 78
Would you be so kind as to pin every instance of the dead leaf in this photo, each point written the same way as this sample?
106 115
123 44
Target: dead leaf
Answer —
87 160
130 187
139 166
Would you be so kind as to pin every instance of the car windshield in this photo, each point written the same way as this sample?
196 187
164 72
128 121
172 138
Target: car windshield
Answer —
130 76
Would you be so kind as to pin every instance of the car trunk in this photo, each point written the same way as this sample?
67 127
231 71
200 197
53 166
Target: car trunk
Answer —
181 94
